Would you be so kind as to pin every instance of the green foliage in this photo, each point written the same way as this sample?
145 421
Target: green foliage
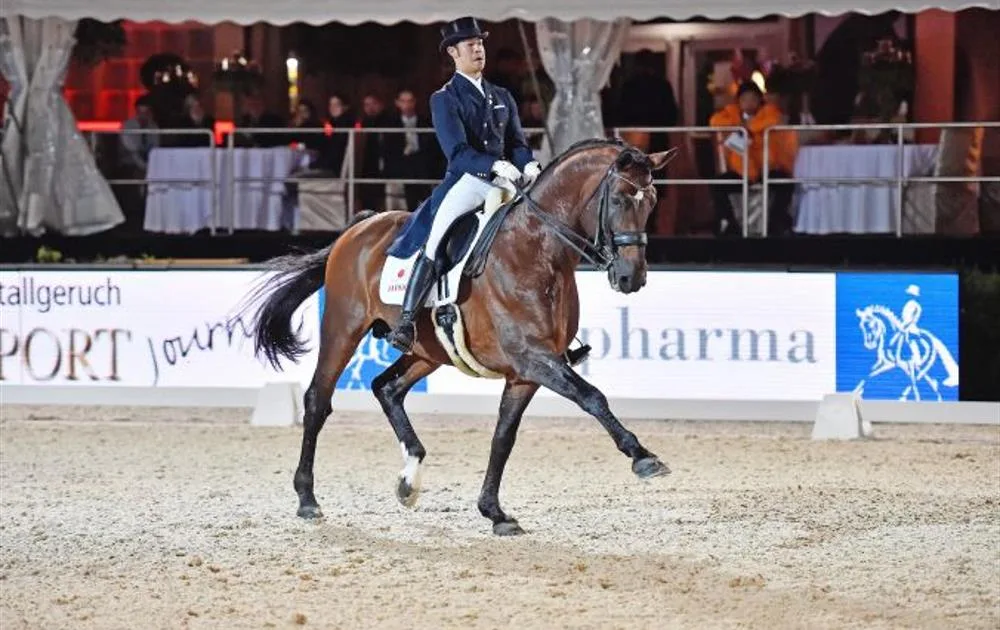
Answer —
48 255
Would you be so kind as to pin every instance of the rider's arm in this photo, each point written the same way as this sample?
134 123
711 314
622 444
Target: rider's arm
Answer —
451 135
520 152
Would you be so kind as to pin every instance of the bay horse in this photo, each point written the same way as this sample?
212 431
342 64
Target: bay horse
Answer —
520 313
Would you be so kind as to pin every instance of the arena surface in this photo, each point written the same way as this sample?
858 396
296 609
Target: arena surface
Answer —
159 518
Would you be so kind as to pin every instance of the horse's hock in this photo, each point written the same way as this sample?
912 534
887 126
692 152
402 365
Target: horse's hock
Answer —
183 517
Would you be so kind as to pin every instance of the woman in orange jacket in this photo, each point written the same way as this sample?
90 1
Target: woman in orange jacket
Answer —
750 111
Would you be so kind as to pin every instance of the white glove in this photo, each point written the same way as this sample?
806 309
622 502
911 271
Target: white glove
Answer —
505 169
531 171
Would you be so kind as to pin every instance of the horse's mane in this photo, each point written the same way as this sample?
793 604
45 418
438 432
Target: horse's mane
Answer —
886 312
629 154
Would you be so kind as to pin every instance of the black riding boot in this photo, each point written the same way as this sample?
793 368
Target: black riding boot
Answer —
421 281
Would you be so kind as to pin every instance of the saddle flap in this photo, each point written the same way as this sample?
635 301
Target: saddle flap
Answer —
457 241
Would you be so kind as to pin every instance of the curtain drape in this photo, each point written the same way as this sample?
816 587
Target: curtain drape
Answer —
578 56
59 186
13 68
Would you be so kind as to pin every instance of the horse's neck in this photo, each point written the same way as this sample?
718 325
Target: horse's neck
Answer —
569 194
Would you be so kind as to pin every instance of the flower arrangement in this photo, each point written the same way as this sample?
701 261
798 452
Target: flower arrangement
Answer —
169 80
794 78
237 75
885 79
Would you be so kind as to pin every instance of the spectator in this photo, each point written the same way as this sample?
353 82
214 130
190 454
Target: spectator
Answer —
256 116
409 155
508 72
373 161
136 146
339 116
194 117
750 112
134 161
306 120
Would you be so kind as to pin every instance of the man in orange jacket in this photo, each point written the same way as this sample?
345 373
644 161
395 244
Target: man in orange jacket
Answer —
750 112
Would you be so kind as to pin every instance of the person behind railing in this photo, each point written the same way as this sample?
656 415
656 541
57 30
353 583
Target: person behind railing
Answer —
193 117
306 120
136 146
372 196
408 155
256 115
339 117
753 114
133 161
531 116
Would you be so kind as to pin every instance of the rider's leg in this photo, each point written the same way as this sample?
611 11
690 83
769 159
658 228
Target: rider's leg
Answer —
463 197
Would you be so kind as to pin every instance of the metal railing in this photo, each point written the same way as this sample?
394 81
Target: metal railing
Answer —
349 165
743 182
224 217
211 181
900 179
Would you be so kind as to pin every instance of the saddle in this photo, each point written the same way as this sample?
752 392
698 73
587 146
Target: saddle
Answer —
463 251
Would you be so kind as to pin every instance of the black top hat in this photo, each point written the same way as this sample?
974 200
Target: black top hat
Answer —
461 29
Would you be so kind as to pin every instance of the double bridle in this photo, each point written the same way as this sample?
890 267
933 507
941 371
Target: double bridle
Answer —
602 251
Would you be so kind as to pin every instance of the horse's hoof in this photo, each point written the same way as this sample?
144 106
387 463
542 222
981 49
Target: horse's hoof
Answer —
310 512
406 493
649 467
507 528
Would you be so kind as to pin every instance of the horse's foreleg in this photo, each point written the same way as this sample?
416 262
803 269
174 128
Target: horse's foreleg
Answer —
336 348
552 372
516 396
390 388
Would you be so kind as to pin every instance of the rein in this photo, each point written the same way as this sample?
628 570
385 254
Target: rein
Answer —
602 251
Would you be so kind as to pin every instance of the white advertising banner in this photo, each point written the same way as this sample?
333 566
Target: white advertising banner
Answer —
686 335
137 328
701 335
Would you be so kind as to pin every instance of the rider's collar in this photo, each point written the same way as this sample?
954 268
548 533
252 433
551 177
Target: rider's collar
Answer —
476 82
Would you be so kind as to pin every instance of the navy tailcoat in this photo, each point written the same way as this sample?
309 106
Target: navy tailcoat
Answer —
474 131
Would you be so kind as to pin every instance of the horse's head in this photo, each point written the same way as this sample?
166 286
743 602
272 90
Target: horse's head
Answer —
872 327
624 205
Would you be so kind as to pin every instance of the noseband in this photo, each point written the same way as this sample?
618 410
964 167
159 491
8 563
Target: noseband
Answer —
602 251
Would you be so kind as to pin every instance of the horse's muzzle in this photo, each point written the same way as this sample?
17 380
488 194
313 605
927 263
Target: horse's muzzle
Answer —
625 276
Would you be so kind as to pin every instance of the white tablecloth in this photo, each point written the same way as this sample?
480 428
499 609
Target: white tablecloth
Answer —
186 207
824 208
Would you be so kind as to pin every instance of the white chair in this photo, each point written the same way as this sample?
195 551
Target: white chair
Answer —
323 203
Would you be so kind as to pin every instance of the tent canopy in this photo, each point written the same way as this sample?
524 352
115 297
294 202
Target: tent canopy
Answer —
427 11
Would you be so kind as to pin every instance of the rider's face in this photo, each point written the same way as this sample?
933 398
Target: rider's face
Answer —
469 56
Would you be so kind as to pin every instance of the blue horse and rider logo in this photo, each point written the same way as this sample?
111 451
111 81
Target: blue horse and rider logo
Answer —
371 358
912 355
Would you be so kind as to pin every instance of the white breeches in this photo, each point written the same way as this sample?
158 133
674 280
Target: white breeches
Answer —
462 198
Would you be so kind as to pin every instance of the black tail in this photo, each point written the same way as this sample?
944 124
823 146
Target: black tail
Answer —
296 277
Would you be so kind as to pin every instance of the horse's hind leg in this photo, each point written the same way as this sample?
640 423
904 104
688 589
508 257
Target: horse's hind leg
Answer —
516 396
336 348
552 372
390 388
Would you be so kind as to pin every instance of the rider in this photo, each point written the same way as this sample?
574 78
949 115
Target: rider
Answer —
478 127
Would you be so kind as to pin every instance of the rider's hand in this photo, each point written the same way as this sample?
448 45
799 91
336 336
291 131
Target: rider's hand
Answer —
531 171
505 169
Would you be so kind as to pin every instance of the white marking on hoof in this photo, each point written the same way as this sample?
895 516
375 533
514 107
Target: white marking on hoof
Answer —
409 478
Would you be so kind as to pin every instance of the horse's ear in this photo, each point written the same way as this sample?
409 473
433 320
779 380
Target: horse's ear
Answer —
662 158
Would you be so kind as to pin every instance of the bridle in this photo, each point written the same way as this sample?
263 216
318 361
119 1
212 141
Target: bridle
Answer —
602 251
